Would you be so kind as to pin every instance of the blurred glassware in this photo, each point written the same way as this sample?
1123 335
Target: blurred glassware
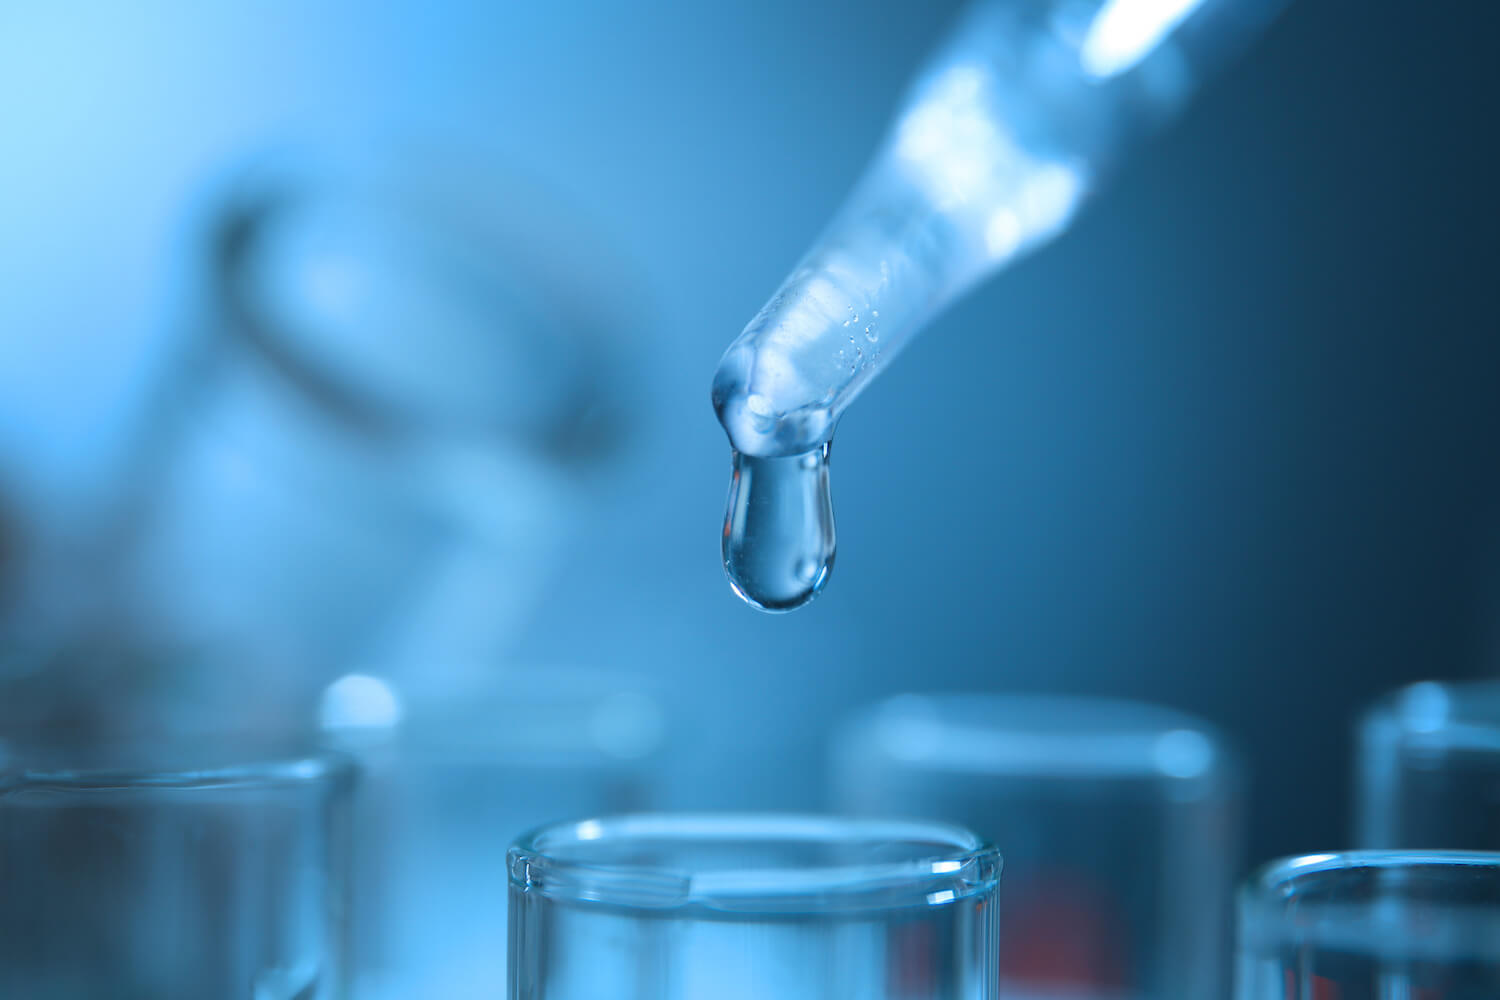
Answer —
371 444
746 907
448 783
1119 821
1376 924
1428 768
172 869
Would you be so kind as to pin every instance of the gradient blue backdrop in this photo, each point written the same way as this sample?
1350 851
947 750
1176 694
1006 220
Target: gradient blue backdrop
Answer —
1230 444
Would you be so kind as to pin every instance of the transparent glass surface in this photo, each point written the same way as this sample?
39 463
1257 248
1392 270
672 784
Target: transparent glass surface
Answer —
748 907
1119 823
1428 768
1382 925
371 440
447 784
1010 127
172 870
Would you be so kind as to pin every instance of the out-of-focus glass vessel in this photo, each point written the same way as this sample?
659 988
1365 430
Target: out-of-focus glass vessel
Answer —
1119 822
749 907
1382 925
447 784
172 869
368 446
1428 768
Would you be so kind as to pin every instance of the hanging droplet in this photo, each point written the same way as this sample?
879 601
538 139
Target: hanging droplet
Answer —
778 530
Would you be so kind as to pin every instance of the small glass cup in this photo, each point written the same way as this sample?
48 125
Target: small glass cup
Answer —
1119 822
1384 925
745 907
446 784
142 872
1428 768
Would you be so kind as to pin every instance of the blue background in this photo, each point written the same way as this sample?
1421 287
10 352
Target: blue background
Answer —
1229 444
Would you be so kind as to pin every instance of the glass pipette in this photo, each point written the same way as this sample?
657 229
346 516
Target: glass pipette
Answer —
1007 130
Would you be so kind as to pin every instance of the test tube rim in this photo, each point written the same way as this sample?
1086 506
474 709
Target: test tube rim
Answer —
1395 717
1313 900
234 766
969 866
1287 880
1144 719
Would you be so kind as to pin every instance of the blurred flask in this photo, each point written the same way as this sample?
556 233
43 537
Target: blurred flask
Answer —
1118 821
372 443
172 869
447 784
1428 768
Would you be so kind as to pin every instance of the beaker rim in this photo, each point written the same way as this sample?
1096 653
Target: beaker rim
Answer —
197 762
762 863
1437 715
1043 735
1395 906
1284 878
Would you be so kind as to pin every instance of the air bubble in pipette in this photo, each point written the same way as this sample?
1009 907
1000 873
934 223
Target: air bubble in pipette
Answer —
778 529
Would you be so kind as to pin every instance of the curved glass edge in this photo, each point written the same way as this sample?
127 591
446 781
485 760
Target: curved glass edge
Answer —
1279 880
961 865
1436 715
322 766
1042 735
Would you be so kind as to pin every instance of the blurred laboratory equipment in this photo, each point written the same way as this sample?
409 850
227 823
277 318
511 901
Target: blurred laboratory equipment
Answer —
1014 122
1119 823
447 785
1428 768
745 907
371 443
172 869
1377 924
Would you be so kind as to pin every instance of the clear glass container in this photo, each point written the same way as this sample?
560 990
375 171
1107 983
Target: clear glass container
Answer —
447 784
747 907
1428 768
1383 925
168 869
1119 821
393 375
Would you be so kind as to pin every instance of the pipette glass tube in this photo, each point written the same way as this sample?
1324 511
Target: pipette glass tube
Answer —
1011 125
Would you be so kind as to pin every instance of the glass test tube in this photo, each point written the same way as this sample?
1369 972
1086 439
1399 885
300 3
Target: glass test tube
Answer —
1119 822
1372 925
746 907
1428 768
447 784
141 873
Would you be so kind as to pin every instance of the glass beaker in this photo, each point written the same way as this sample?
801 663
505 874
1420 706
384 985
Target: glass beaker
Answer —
1119 822
1382 925
745 907
1428 768
447 783
173 870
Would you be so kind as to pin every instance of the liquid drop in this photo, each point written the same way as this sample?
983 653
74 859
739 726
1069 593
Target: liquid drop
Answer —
778 529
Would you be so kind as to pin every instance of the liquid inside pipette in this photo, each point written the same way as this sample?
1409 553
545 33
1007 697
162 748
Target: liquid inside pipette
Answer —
1004 135
778 529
